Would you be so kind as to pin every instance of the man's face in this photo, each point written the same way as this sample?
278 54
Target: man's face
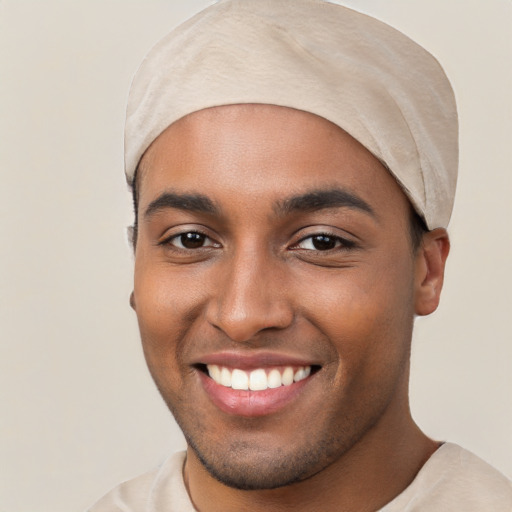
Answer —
270 241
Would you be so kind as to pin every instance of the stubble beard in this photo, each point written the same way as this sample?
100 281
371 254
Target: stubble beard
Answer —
246 468
245 465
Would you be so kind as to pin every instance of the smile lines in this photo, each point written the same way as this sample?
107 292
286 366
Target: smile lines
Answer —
257 380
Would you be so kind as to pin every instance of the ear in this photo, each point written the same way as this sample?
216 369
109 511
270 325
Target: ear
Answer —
132 301
430 263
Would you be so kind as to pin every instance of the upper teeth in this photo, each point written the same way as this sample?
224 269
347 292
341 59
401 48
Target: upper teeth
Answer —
257 380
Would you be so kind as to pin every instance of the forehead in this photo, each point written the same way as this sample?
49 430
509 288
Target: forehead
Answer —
261 152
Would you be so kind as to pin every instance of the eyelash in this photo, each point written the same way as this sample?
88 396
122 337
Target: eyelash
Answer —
179 236
339 242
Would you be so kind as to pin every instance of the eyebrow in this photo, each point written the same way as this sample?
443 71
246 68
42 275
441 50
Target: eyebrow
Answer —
197 203
323 199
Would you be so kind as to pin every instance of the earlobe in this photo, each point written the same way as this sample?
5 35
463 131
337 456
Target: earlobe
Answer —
132 301
430 265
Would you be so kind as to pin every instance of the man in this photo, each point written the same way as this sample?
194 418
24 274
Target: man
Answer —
293 166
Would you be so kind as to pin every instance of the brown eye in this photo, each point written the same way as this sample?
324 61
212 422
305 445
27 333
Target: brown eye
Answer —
320 242
192 240
323 242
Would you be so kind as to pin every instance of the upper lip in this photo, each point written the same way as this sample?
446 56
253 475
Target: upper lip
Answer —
250 361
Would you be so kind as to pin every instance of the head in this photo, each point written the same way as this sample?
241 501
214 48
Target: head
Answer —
287 232
269 238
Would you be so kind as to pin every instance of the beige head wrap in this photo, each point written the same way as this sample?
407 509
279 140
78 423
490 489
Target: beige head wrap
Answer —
359 73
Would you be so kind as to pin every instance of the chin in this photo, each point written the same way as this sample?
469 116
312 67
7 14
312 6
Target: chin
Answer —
246 465
258 471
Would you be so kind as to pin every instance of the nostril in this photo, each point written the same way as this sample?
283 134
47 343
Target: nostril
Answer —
243 324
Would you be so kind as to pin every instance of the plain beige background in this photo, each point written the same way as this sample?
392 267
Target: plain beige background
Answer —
79 412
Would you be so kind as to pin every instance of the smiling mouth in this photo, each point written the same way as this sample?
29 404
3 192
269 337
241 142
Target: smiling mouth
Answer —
253 385
258 379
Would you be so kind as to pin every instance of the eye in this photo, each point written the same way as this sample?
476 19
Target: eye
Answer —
191 240
323 242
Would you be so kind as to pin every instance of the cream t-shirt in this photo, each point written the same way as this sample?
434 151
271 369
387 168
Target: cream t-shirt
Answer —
452 480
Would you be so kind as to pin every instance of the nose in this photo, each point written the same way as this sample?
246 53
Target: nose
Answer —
250 297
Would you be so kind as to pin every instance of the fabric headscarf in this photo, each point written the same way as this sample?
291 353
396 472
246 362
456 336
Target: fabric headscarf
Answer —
371 80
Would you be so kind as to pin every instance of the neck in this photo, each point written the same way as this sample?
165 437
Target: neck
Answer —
367 477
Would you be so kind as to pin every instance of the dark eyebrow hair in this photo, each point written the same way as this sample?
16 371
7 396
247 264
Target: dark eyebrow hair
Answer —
190 202
321 199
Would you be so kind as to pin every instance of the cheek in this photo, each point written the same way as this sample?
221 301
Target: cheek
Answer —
366 312
162 304
164 293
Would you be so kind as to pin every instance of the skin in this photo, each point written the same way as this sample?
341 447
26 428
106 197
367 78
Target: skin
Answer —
256 282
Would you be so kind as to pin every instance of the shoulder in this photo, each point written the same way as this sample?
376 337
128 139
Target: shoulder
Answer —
455 479
160 489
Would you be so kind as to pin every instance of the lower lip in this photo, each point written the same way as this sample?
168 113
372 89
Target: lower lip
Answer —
251 403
